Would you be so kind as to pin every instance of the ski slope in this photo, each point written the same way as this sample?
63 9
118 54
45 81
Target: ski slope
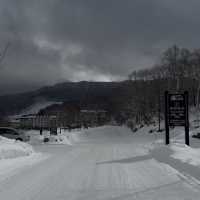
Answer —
103 163
33 109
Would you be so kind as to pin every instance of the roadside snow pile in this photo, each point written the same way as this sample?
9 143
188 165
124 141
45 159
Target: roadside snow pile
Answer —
108 132
75 136
59 139
186 154
13 149
36 138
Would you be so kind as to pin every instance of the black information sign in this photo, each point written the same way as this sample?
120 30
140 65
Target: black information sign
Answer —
176 113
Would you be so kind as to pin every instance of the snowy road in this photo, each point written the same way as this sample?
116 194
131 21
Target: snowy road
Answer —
99 167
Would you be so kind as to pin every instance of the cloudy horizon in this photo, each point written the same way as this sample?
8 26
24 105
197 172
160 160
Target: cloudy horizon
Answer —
93 40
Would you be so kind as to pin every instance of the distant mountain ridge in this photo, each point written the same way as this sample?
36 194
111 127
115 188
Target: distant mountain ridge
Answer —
81 92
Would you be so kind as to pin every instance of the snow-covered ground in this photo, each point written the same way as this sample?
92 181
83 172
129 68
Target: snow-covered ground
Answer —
108 162
186 154
15 155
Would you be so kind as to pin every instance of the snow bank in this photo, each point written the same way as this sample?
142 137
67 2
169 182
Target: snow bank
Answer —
13 149
59 139
186 154
108 132
36 138
97 134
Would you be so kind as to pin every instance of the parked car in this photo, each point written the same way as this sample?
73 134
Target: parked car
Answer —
12 133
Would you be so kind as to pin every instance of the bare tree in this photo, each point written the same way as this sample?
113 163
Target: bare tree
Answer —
133 76
196 72
170 59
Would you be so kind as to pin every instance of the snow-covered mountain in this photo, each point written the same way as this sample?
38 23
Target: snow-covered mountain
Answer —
92 92
37 106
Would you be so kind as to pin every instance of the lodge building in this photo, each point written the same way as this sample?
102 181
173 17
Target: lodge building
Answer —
88 118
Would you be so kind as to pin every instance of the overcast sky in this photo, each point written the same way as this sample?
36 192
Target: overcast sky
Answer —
101 40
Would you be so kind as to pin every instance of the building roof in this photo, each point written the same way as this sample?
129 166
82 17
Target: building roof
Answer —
93 111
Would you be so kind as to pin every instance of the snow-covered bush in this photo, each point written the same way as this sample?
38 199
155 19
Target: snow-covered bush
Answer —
12 148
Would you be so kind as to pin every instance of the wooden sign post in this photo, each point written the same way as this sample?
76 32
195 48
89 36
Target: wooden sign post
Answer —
176 113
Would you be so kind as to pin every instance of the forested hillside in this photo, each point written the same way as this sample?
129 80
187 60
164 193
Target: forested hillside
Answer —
139 98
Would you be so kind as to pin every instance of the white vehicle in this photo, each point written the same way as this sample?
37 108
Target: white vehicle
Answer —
12 133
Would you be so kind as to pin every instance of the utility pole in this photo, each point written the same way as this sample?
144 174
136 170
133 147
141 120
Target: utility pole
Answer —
159 108
159 112
166 118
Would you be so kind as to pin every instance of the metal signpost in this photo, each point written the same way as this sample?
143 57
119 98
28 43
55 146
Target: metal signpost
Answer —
176 113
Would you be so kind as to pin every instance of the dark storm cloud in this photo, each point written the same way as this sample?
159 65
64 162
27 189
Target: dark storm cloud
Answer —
52 41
